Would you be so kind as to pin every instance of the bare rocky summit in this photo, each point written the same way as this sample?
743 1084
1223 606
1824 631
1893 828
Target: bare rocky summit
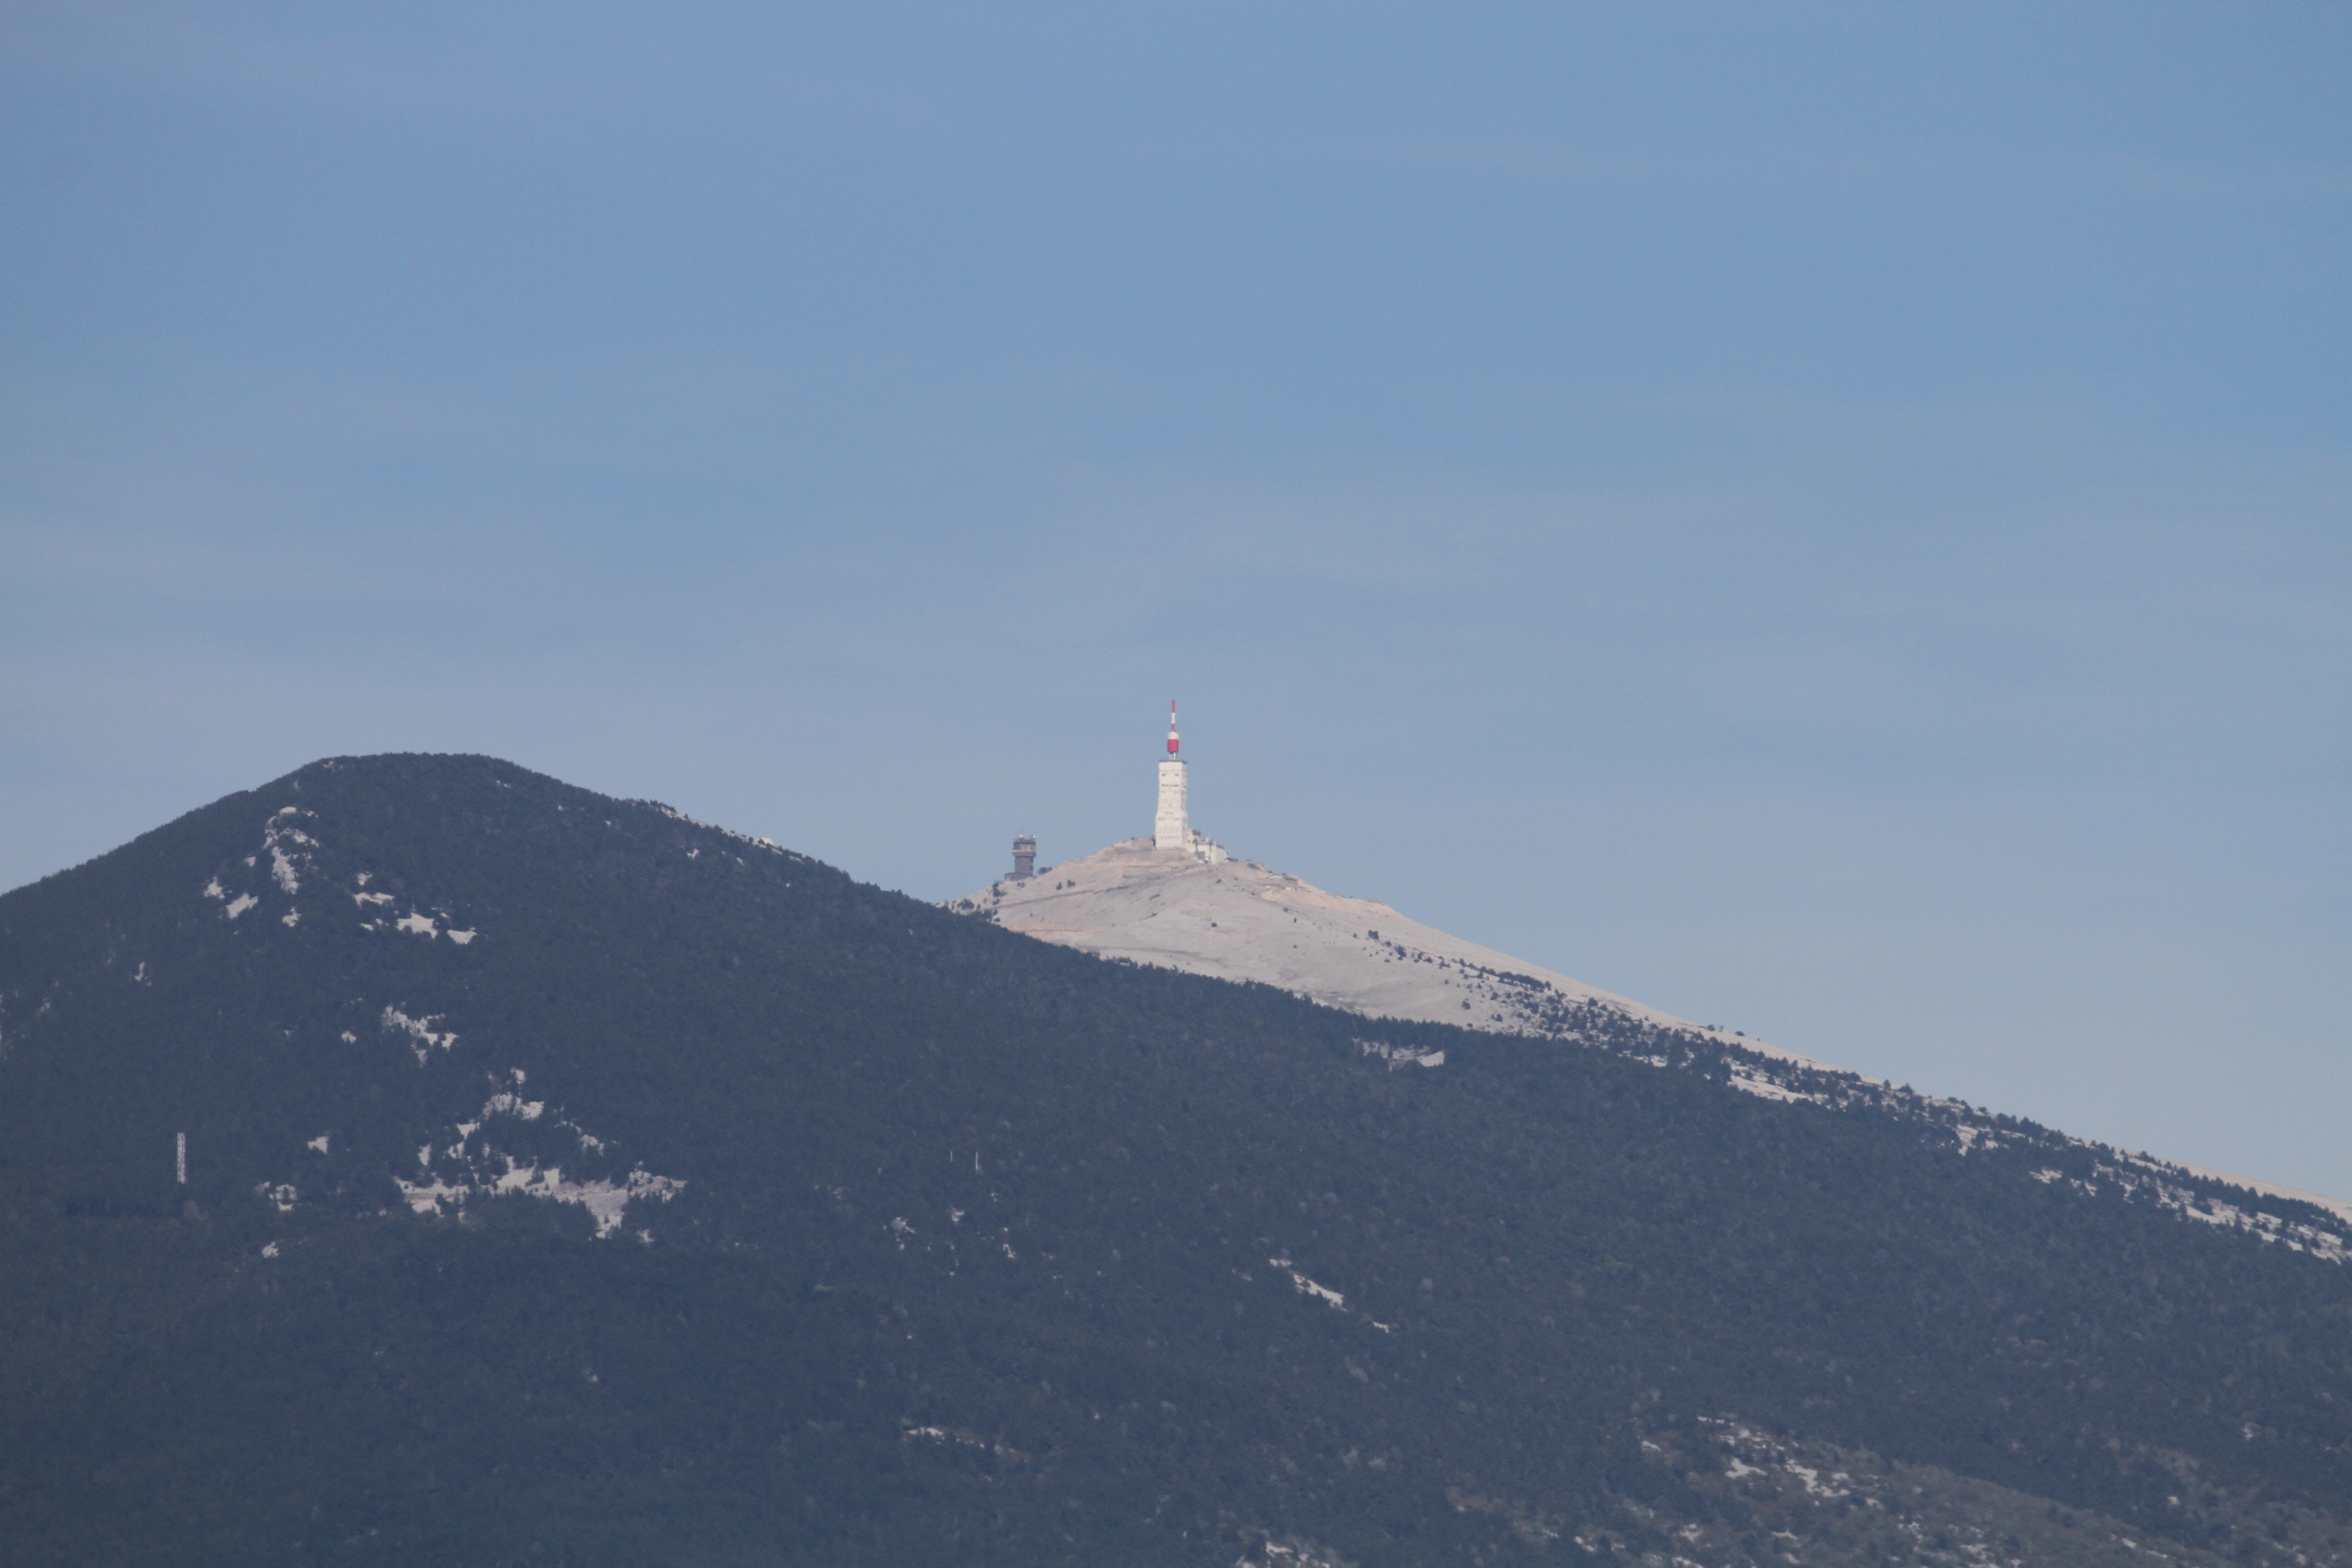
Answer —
1237 919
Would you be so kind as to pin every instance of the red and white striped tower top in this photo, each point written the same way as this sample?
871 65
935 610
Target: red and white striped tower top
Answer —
1172 726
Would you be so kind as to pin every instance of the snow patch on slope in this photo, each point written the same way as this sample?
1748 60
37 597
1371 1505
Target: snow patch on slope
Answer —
480 1169
608 1201
420 1032
286 865
490 1171
292 855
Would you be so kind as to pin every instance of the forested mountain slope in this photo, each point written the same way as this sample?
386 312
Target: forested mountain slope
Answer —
570 1182
1218 915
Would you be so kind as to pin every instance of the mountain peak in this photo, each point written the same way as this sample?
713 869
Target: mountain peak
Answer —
1239 919
706 1197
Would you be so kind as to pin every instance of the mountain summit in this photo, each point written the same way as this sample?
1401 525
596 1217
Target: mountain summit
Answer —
1208 913
419 1159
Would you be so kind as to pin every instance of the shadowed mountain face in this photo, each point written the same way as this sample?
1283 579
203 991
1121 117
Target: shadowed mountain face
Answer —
567 1181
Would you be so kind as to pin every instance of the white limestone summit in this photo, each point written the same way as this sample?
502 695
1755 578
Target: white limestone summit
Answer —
1177 900
1198 910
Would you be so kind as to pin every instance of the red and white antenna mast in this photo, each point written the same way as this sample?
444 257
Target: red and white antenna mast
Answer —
1170 829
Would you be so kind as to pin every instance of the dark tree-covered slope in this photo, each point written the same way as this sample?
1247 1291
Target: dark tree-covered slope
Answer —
569 1181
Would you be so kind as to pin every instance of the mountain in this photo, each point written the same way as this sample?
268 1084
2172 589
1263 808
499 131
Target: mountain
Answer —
1237 920
1206 912
567 1181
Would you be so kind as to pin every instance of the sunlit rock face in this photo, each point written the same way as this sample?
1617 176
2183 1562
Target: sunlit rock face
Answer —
1237 920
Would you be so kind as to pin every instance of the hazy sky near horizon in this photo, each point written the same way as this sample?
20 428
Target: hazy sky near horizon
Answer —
1831 520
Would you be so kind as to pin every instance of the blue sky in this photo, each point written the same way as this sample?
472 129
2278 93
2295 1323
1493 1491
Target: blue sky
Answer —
1830 520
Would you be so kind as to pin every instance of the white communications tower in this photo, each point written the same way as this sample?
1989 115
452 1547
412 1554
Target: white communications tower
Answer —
1170 829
